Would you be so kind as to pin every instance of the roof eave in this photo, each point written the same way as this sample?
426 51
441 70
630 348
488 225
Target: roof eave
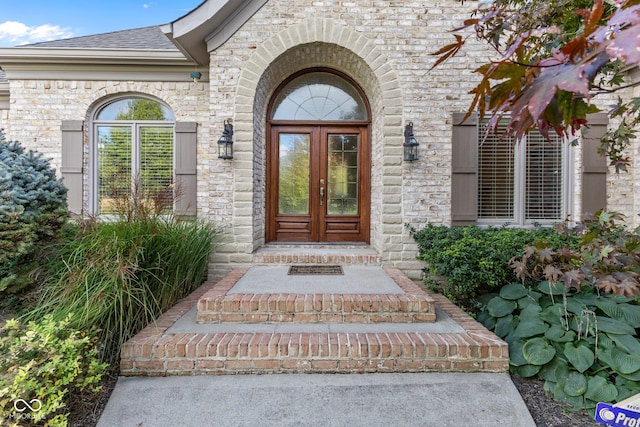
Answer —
208 26
18 55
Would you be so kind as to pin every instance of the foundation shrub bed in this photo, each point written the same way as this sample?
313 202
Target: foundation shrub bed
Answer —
120 276
473 261
573 319
45 365
81 289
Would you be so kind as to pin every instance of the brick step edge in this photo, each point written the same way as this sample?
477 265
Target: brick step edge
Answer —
312 258
415 305
235 353
314 308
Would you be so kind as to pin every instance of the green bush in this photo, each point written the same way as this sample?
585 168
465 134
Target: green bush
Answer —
584 346
121 276
44 363
33 208
474 260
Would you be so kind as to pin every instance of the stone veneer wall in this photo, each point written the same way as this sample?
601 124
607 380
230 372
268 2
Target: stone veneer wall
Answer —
383 45
4 120
39 107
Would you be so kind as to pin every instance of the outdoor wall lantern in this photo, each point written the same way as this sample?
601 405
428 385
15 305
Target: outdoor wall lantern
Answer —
225 143
410 144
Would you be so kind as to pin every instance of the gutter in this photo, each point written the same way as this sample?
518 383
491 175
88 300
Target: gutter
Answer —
31 63
34 55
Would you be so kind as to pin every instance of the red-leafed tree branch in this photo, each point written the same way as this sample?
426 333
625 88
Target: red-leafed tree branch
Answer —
553 58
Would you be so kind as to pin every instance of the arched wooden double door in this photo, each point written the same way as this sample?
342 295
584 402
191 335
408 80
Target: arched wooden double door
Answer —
318 161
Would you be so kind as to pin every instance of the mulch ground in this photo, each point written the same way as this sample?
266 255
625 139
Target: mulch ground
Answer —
85 410
547 412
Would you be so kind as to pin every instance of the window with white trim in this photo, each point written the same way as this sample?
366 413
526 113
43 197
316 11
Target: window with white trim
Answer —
134 152
523 182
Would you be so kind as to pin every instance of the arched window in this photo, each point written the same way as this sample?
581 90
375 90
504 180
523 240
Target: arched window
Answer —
134 146
320 96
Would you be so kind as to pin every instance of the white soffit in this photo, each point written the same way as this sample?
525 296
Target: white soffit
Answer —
208 26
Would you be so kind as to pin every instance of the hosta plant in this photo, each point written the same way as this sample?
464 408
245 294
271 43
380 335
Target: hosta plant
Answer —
583 344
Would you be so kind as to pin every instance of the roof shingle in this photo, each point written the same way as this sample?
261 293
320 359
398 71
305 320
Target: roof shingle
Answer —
146 38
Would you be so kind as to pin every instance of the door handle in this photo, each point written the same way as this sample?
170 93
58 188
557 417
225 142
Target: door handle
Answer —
321 196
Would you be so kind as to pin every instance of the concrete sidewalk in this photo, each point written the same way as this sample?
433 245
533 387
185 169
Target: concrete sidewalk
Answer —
389 400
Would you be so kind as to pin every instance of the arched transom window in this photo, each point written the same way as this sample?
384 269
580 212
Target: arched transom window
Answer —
319 96
134 153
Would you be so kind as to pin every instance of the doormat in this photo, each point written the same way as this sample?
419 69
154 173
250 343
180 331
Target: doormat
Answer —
315 270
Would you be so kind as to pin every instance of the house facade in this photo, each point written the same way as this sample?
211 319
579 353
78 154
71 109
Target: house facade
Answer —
323 97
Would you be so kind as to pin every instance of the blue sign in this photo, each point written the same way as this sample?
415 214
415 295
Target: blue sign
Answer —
617 417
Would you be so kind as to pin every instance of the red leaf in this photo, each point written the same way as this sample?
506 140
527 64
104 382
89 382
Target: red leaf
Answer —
573 278
620 19
536 96
552 273
545 254
626 46
591 23
448 51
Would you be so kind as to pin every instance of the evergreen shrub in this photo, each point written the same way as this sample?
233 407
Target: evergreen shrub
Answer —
472 261
33 208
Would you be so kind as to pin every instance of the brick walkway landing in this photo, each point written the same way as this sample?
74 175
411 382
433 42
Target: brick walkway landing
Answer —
276 332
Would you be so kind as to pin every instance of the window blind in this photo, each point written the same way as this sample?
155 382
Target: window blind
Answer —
543 180
496 174
114 165
156 163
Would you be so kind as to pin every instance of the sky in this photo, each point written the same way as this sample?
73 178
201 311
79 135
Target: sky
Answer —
31 21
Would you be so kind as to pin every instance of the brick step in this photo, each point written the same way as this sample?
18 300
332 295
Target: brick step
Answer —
317 254
177 345
413 305
244 353
315 308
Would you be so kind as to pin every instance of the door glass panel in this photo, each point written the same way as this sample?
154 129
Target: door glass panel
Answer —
293 182
343 175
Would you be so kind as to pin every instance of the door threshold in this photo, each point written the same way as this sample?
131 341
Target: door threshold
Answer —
316 245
